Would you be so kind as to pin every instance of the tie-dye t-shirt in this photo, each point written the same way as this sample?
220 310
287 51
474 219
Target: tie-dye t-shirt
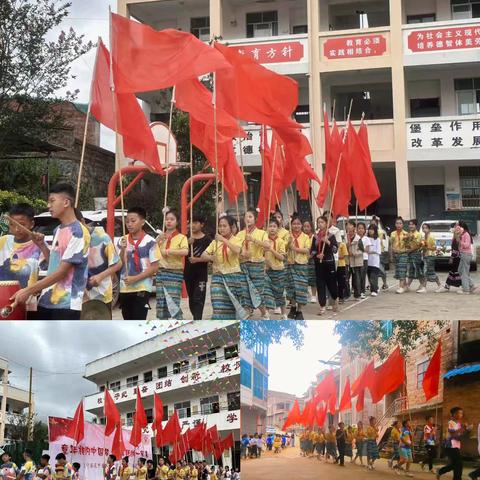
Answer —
149 252
20 261
70 244
102 255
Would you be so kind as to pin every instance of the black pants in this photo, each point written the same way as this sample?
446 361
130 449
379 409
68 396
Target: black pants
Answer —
196 291
343 290
57 314
341 453
454 463
326 277
475 474
431 451
134 305
373 274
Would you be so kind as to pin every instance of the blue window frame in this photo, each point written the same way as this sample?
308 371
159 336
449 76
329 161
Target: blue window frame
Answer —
245 373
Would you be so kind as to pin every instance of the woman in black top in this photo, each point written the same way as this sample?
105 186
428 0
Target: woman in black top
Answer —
324 247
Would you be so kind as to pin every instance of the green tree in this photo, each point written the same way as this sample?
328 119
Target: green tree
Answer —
269 332
371 337
33 69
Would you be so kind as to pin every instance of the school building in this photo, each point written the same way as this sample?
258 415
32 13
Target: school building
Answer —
278 406
411 67
194 367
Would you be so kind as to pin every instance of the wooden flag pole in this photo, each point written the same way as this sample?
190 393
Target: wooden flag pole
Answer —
165 198
286 196
214 99
271 184
191 197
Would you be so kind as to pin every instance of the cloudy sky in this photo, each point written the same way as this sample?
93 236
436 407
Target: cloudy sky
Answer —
293 370
58 352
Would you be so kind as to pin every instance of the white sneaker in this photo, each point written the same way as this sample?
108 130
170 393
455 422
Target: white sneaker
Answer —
362 295
284 317
422 290
313 299
277 311
266 317
322 310
400 290
442 289
408 474
374 294
461 292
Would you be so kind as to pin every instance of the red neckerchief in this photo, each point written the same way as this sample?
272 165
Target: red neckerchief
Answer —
295 237
225 249
275 238
248 231
351 236
169 239
136 250
321 235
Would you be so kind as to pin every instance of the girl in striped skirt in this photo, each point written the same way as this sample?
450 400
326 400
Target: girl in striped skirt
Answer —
226 285
298 253
312 278
399 254
360 443
275 263
429 254
372 447
173 247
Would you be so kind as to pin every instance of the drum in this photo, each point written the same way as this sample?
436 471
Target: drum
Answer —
96 310
7 289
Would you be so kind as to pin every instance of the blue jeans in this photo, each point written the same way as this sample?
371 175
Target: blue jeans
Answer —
464 271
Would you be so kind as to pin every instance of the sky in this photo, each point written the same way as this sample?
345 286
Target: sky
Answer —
58 352
292 370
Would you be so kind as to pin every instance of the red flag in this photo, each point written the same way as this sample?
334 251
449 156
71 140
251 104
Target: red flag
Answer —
431 379
360 403
180 448
158 418
321 415
118 447
389 376
323 191
227 442
172 430
125 116
363 381
210 445
145 59
360 166
111 414
327 390
76 429
293 416
346 400
139 421
197 436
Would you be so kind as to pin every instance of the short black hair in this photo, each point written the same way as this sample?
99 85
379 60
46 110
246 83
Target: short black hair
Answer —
60 456
125 459
199 219
363 224
150 461
454 410
140 211
28 452
143 460
64 188
352 223
274 220
374 227
426 225
46 457
76 466
174 213
279 212
22 209
404 423
414 221
113 457
252 211
399 218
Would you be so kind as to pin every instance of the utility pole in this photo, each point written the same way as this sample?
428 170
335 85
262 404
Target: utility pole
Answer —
3 406
30 410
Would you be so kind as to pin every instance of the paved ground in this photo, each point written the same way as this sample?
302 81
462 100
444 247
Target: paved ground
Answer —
387 306
289 464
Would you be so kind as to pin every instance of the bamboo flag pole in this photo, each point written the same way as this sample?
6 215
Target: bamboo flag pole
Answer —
167 165
271 183
336 178
245 206
286 196
191 197
17 225
214 101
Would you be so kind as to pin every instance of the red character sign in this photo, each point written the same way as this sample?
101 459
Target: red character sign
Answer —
450 38
279 52
353 47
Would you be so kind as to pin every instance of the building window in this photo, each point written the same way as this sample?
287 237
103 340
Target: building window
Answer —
280 406
207 358
114 386
423 18
231 352
298 29
103 421
245 374
179 367
262 24
387 328
183 409
260 351
233 400
200 27
302 114
209 405
259 384
102 389
421 369
147 376
425 107
162 372
129 421
165 412
149 414
132 381
465 9
470 186
467 91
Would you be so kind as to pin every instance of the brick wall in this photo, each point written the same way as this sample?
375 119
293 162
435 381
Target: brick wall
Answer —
75 118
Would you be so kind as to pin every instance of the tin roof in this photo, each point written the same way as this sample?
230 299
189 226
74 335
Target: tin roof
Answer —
464 370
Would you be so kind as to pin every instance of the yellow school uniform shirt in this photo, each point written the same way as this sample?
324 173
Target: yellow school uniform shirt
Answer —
398 241
280 247
257 252
125 473
193 473
430 246
173 262
162 472
141 473
372 433
179 474
360 435
284 234
330 437
213 476
342 255
313 436
304 241
395 435
349 437
414 240
227 261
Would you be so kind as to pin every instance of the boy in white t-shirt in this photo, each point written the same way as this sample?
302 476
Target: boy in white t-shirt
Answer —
374 249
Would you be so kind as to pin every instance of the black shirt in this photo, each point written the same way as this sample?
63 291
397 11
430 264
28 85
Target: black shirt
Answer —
328 252
197 270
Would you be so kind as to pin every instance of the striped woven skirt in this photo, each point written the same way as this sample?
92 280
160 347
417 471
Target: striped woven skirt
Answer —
401 265
332 449
226 295
415 265
169 294
429 272
254 284
274 291
312 278
297 283
372 449
348 450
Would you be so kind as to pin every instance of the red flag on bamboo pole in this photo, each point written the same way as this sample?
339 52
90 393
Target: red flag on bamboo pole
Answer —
363 381
172 430
139 421
431 379
327 390
158 418
388 376
227 442
346 400
196 437
111 414
321 415
118 447
76 429
293 416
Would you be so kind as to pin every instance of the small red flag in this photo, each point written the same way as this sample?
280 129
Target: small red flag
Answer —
293 416
388 376
172 430
431 379
227 442
363 381
346 400
197 436
327 390
158 418
111 413
76 429
139 421
118 447
321 415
